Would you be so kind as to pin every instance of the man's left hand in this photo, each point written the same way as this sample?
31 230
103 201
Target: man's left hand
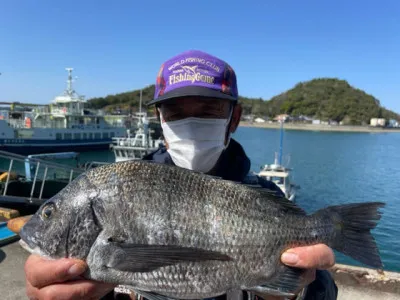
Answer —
309 257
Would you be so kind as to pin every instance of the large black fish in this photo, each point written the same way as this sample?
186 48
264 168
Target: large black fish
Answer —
182 234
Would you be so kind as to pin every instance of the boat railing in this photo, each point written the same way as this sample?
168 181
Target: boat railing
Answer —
40 169
137 141
60 111
17 123
41 110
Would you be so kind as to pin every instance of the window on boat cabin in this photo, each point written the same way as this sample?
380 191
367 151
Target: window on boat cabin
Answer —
84 136
112 134
58 136
105 135
97 135
77 136
67 136
90 136
277 179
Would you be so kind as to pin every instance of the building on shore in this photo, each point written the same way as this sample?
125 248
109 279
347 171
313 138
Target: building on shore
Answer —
259 120
378 122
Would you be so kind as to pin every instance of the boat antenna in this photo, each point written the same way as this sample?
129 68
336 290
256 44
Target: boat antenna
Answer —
69 90
280 143
140 101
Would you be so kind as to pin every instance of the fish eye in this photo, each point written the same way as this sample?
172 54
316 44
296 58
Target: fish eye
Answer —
47 211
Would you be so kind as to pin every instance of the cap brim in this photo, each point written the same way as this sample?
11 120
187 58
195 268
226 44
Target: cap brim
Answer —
192 91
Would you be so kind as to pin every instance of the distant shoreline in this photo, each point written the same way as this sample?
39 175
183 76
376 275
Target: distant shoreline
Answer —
314 127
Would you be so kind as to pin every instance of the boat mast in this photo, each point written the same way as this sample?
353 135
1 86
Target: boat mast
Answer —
140 101
69 91
280 144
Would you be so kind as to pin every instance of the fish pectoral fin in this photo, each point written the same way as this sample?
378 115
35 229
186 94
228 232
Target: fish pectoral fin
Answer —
286 283
145 258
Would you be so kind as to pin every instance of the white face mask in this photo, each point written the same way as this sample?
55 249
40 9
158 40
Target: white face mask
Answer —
195 143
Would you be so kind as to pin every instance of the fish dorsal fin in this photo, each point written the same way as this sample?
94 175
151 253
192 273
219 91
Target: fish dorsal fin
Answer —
266 196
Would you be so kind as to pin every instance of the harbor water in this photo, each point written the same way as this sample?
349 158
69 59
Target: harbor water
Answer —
332 168
336 168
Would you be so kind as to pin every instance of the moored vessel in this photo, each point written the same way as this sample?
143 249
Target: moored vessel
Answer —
64 125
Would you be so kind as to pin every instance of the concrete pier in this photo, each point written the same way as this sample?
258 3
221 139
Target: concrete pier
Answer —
12 276
366 284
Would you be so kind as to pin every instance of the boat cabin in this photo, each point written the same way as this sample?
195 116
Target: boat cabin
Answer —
281 177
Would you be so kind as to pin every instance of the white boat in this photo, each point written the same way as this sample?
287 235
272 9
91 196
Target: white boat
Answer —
282 177
64 125
279 174
139 145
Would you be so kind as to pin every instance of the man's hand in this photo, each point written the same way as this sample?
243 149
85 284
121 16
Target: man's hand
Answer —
59 279
309 257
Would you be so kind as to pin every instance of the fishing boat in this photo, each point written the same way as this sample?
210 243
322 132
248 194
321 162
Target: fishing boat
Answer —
64 125
140 144
279 174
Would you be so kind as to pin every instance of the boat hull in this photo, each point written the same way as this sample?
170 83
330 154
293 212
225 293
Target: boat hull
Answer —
26 147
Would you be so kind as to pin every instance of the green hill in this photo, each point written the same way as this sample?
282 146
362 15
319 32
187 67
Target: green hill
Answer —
328 99
123 101
322 98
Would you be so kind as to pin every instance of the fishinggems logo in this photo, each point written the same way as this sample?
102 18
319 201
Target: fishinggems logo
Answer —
182 72
190 74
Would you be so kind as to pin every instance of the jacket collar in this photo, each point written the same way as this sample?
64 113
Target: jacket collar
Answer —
233 163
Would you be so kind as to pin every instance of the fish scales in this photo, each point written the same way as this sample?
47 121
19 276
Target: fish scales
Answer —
232 216
125 208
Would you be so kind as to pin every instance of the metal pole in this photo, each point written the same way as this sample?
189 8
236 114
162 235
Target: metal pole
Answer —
140 101
70 175
281 144
8 177
44 180
34 179
27 169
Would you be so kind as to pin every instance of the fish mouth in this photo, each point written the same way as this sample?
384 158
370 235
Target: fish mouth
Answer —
30 249
27 240
35 250
24 245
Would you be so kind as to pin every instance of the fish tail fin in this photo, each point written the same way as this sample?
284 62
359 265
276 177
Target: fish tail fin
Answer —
352 230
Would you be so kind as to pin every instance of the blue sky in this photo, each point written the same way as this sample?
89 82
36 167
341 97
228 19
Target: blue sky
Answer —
272 46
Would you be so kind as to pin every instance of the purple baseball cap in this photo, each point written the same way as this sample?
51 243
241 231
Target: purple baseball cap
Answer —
195 73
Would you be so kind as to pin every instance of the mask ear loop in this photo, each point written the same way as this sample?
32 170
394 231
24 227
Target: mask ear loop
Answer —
159 116
160 119
227 133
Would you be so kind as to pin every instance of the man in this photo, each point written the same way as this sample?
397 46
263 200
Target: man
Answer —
196 99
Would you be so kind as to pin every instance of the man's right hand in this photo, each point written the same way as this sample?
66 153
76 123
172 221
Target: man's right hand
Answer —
60 279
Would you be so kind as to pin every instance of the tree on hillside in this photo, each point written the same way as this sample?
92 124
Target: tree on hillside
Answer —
321 98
